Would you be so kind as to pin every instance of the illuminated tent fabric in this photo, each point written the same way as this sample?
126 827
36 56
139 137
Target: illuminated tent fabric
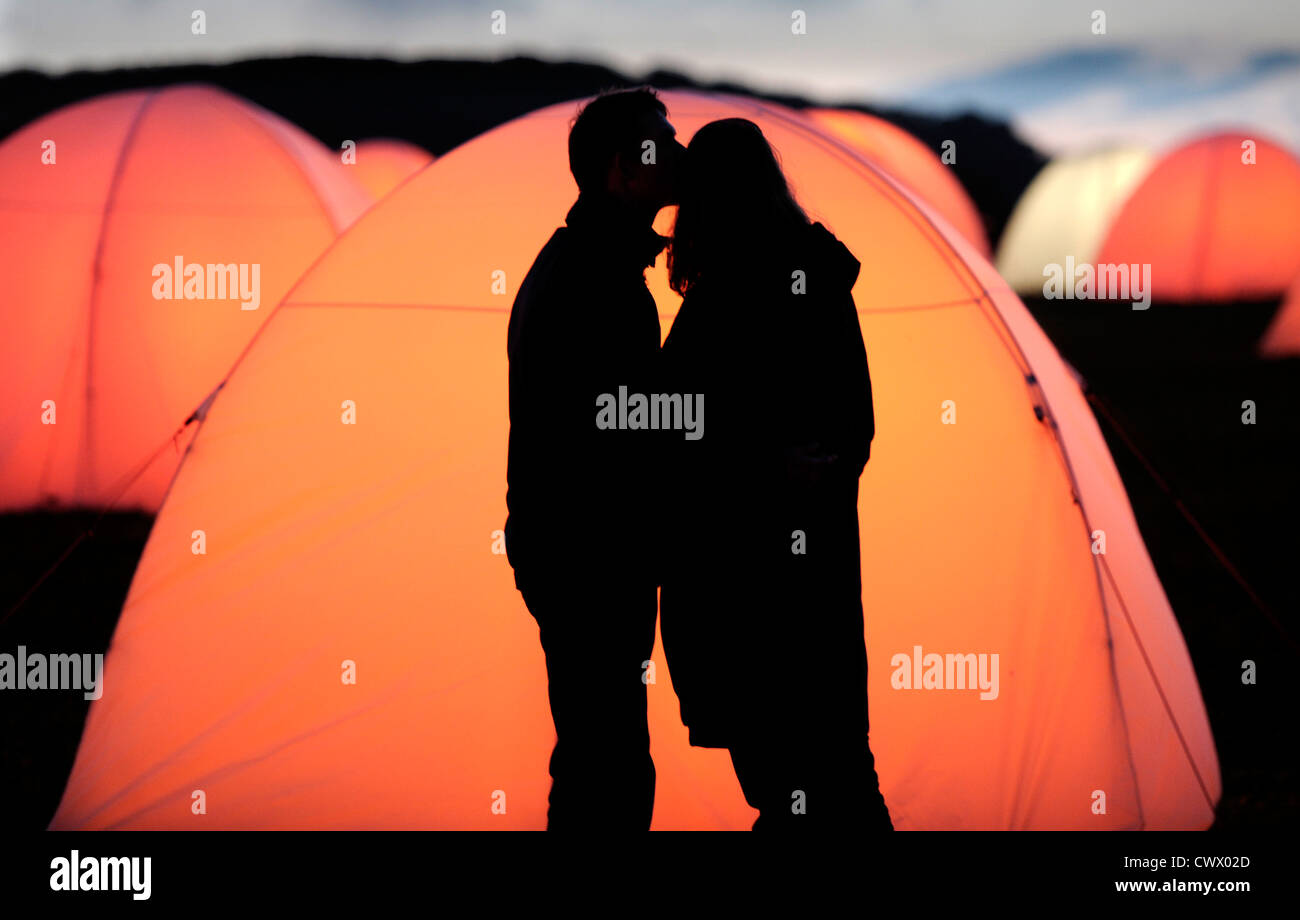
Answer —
383 163
1066 211
1212 227
908 159
1283 335
140 179
372 543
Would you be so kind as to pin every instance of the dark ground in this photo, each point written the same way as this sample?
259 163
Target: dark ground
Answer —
75 610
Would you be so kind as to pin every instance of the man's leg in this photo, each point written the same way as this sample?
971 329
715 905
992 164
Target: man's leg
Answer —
595 639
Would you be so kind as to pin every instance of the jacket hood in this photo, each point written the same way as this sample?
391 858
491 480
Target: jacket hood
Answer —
827 257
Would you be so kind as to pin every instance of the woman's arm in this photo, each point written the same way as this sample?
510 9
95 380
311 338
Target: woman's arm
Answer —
852 410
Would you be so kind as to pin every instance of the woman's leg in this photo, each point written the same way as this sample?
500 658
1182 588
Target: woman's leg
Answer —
762 772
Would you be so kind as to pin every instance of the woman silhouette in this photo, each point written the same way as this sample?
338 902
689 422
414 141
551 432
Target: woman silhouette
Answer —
761 604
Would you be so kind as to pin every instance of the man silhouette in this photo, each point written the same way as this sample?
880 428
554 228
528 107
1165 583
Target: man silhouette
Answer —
579 532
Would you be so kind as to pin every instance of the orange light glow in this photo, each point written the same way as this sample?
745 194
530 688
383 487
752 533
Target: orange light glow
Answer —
373 543
139 179
911 162
383 163
1211 225
1283 335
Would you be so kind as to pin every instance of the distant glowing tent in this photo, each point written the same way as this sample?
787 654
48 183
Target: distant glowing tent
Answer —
1066 211
1212 226
1283 335
383 163
372 543
909 160
92 198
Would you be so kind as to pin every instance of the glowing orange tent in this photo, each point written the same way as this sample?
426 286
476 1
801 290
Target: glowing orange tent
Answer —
127 225
1283 335
383 163
1211 224
909 160
349 484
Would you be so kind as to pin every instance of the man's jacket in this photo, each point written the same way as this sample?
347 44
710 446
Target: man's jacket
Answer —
583 324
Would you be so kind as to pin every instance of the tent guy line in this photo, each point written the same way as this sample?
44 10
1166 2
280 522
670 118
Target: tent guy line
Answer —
1219 555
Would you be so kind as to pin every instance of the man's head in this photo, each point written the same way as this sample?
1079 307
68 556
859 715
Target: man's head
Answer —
609 154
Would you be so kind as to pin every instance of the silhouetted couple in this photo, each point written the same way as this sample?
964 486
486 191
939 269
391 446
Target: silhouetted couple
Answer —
749 524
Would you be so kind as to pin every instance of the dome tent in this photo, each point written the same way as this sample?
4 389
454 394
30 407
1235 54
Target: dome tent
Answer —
909 160
115 352
1283 335
1066 211
1212 226
372 543
382 163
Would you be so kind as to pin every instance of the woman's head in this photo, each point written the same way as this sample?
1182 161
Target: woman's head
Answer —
732 196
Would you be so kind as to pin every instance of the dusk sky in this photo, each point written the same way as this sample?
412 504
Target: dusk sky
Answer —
1163 68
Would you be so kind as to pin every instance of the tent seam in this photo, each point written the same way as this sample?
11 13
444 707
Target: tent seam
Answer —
96 271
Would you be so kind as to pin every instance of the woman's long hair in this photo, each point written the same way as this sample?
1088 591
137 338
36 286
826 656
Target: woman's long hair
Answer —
734 203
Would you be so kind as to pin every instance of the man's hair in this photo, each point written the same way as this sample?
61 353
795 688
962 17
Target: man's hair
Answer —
607 125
